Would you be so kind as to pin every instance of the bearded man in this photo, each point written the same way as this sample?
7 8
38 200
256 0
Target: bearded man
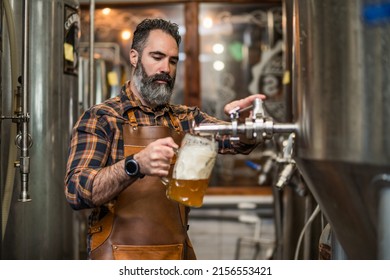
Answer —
120 150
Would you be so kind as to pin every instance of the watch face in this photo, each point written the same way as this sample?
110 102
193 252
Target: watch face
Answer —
131 167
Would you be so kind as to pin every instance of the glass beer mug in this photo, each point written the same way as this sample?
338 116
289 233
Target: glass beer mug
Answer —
191 172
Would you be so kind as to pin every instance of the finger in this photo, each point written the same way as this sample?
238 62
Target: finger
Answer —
249 100
169 142
242 103
254 96
168 153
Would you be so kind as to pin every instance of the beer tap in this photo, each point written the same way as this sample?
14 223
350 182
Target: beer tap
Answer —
287 161
258 127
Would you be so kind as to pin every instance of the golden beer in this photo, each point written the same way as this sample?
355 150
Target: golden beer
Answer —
187 192
189 179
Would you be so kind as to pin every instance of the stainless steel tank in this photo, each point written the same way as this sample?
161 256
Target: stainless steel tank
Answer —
44 227
341 78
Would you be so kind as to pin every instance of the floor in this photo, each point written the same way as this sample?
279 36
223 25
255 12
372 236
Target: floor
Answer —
232 229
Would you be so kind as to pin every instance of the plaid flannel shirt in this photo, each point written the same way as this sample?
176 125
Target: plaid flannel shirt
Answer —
97 142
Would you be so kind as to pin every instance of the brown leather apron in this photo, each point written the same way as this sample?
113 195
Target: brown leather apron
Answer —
143 223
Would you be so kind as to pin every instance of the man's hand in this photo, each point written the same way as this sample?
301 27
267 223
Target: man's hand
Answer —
155 159
242 103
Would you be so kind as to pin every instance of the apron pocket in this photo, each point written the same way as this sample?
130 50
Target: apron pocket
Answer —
101 231
148 252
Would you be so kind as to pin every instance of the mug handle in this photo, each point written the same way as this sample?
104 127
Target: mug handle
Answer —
165 180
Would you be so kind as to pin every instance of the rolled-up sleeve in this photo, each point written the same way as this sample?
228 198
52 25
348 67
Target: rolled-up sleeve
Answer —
88 153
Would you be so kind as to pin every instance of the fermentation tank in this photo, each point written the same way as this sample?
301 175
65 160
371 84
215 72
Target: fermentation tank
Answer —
341 120
42 228
341 82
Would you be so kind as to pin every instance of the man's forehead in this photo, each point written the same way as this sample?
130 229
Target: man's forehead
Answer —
160 41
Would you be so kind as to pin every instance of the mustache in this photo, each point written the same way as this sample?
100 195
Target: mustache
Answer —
162 77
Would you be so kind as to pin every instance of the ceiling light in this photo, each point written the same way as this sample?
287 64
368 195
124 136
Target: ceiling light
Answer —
126 35
106 11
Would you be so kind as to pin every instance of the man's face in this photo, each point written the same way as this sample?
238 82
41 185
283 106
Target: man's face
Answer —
155 72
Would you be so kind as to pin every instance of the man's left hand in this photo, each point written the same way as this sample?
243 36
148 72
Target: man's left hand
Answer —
242 103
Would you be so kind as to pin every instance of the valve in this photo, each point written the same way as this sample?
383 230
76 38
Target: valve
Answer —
258 127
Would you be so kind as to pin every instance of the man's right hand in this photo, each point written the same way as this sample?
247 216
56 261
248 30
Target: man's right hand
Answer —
155 159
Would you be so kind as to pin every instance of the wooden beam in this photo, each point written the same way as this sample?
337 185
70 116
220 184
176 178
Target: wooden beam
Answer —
192 49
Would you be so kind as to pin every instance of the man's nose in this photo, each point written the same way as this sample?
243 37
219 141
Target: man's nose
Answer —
165 66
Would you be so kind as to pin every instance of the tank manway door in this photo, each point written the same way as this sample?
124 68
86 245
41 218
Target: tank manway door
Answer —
71 40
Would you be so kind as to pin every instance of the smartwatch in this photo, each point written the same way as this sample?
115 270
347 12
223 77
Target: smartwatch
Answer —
132 167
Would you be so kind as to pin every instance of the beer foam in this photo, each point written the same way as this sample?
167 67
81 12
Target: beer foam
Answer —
194 162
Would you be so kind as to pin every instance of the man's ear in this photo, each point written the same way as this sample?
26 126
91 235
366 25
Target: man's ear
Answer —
133 57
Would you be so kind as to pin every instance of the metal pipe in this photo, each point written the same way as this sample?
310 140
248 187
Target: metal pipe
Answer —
91 50
384 225
214 128
381 182
13 50
24 163
6 197
285 175
105 45
227 129
271 28
284 127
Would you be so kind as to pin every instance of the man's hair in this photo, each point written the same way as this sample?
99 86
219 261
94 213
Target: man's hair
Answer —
143 29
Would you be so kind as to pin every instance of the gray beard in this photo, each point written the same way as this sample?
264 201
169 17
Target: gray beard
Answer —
155 94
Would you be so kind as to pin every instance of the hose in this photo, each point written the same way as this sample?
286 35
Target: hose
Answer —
309 221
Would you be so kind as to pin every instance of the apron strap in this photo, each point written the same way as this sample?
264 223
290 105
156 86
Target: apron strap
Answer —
174 120
132 118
